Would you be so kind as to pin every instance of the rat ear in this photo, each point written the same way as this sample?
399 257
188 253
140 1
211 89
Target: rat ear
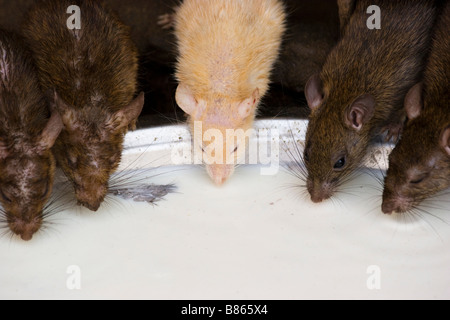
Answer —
51 132
413 101
63 109
314 91
3 150
360 112
130 113
186 100
445 140
246 107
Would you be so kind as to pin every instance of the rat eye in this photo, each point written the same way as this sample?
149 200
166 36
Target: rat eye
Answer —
47 189
235 149
418 179
4 196
306 156
340 163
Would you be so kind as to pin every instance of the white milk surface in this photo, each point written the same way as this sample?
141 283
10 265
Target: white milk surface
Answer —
257 237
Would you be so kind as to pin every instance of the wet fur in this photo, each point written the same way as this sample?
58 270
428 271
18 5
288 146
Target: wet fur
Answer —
382 63
26 167
93 71
419 150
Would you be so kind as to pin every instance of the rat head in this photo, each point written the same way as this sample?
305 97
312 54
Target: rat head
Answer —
26 177
220 129
336 139
419 166
89 148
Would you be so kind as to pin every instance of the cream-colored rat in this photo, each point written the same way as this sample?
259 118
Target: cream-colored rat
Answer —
226 50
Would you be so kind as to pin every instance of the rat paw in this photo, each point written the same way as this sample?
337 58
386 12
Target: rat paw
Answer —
392 132
166 21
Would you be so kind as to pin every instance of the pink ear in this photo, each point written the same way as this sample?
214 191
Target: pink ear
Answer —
314 91
445 140
360 112
246 107
131 112
3 150
51 131
413 101
63 109
186 100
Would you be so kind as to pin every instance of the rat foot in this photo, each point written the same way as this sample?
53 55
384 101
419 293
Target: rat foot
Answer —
393 132
166 21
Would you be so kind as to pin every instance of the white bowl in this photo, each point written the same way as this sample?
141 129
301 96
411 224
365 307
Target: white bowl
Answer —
256 237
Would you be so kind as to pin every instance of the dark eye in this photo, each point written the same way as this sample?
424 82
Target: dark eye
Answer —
203 149
340 163
418 179
306 156
235 149
4 196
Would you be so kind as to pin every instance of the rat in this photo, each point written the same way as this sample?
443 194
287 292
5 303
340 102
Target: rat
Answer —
28 130
419 165
360 91
226 50
93 72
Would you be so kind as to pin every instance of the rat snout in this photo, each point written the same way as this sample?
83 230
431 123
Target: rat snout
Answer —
397 204
219 173
388 207
91 197
25 228
319 191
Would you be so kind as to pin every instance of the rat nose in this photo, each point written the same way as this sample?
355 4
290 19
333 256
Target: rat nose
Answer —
316 198
91 197
220 173
388 207
25 229
318 191
93 206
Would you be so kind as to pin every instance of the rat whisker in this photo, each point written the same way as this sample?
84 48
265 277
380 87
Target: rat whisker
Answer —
434 216
6 232
416 212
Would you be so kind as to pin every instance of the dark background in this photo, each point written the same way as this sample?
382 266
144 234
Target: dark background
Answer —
313 29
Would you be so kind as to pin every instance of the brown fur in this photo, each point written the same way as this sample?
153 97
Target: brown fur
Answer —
226 53
93 71
26 162
345 8
419 166
377 66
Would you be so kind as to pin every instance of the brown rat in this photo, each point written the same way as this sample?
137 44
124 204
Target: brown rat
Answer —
361 88
28 130
226 53
419 166
93 71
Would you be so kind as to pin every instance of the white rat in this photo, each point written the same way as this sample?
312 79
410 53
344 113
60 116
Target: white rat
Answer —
226 50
